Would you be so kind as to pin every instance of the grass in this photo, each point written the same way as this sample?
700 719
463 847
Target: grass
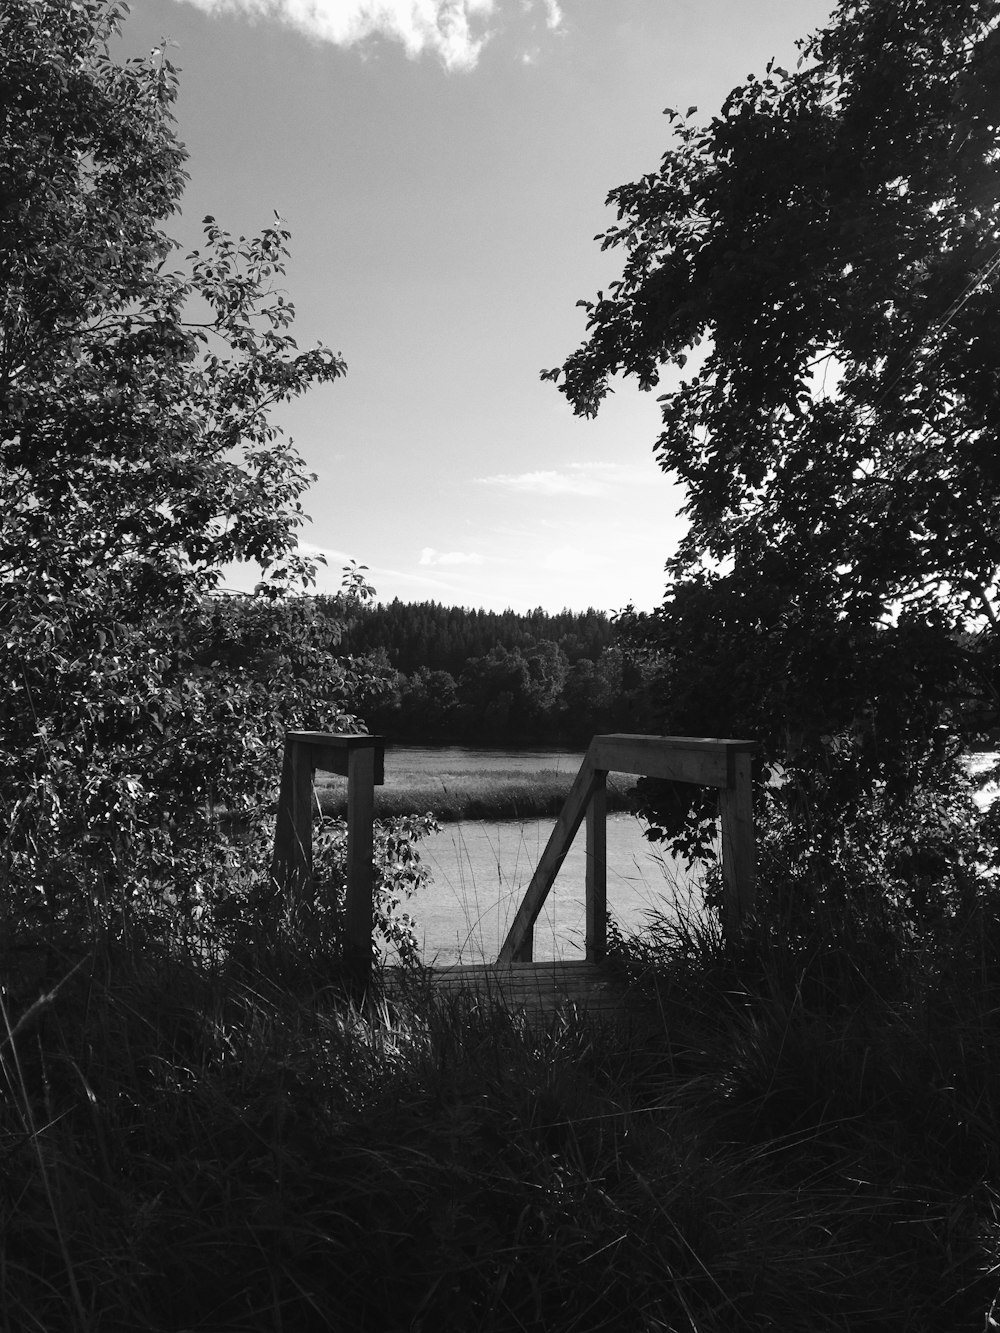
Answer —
469 793
788 1136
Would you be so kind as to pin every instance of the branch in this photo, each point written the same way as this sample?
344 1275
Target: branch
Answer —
987 606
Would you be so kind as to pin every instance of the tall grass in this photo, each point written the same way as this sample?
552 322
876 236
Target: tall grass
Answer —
471 794
796 1131
775 1139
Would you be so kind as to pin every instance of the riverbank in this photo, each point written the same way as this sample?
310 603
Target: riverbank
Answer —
470 793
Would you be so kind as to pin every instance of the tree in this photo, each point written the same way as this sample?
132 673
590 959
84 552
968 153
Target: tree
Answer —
496 691
818 267
425 707
137 457
547 671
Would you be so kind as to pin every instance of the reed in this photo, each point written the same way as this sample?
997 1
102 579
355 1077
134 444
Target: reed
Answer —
470 794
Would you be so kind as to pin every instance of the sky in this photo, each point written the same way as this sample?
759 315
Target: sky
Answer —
443 167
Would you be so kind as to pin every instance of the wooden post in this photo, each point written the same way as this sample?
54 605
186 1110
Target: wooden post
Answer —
597 869
361 760
738 850
359 912
291 865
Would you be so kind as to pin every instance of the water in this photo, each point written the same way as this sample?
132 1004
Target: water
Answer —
480 870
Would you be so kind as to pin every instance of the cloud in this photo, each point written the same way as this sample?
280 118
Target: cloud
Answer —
553 13
577 479
615 474
428 556
543 483
454 30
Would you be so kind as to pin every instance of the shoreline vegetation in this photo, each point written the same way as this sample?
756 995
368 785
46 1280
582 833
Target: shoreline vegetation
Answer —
787 1136
469 793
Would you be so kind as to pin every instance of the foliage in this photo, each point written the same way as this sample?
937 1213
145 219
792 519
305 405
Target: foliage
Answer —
399 874
817 267
424 706
905 874
507 691
251 923
137 460
528 695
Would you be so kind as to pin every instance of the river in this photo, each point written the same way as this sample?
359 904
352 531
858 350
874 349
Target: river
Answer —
481 869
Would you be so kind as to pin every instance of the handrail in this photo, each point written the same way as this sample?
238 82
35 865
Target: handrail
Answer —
361 759
724 764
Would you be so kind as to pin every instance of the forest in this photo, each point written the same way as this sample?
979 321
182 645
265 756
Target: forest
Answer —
435 637
453 674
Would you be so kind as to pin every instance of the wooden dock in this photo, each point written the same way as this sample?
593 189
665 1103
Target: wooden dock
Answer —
536 989
514 980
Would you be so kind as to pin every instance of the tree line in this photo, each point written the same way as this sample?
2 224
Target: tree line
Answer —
444 638
458 674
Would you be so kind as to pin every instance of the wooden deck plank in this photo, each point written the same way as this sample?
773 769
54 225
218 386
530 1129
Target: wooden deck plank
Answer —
536 988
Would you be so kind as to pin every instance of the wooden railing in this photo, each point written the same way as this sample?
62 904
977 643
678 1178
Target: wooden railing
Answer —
360 759
724 764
